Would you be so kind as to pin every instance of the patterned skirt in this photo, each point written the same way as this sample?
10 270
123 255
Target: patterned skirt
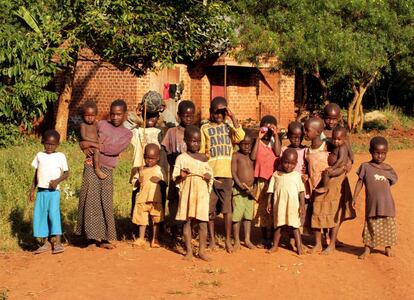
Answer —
380 231
95 212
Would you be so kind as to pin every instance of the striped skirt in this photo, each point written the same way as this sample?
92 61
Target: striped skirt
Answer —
95 212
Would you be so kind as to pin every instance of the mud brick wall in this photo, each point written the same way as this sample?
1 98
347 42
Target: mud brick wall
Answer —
251 92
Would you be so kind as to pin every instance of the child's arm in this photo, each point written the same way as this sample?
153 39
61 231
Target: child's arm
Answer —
269 203
253 154
33 187
54 183
234 172
301 203
203 149
277 148
236 131
357 190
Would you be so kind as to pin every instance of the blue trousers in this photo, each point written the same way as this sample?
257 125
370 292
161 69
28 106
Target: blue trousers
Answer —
46 218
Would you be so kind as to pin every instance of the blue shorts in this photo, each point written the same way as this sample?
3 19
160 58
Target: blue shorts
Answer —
46 218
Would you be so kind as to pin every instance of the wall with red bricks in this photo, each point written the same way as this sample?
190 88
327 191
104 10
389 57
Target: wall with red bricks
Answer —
251 92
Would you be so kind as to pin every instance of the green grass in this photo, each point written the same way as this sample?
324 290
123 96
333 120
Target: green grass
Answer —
16 212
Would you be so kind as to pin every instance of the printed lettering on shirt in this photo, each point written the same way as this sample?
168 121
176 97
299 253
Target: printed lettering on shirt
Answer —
220 142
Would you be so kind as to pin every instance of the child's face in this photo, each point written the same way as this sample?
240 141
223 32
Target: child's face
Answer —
331 119
295 137
151 157
218 113
246 146
193 142
379 153
50 144
89 115
338 138
117 115
289 162
311 132
152 121
187 117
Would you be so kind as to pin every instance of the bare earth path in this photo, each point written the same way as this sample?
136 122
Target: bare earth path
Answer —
129 273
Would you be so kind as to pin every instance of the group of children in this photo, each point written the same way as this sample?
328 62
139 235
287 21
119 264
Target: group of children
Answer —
275 187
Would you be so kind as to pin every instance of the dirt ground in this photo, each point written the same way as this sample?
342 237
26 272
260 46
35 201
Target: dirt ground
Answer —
127 273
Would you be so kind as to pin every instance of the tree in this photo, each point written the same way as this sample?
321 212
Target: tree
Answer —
343 40
138 35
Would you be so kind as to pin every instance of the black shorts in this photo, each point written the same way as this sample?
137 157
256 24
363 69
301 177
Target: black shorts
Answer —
220 197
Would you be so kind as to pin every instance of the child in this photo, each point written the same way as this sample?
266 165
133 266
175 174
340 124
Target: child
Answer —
217 139
174 145
89 132
141 136
51 169
194 177
242 169
96 220
377 176
287 190
337 159
265 152
151 185
332 118
329 209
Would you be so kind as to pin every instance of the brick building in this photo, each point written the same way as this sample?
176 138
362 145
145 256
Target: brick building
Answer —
252 92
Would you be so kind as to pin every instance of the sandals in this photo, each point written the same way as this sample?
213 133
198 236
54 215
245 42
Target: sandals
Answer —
45 248
57 248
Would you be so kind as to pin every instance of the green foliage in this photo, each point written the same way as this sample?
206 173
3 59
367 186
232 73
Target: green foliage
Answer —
9 135
16 213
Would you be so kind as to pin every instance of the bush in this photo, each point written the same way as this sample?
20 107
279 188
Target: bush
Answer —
10 135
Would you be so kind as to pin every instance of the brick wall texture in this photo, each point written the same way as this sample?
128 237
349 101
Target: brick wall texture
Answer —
251 92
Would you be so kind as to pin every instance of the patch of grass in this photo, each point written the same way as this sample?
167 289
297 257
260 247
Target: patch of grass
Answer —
394 118
212 283
16 213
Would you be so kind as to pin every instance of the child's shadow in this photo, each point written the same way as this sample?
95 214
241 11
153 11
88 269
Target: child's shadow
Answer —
21 229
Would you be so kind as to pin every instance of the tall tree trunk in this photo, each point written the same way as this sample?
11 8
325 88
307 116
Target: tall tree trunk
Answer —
65 97
355 110
324 87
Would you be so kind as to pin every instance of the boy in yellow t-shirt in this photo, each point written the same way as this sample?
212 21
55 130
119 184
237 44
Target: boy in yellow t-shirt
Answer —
217 140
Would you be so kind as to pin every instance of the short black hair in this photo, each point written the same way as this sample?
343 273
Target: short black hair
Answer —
121 103
152 146
320 124
216 102
184 105
376 141
289 151
89 104
294 125
189 130
331 107
268 119
50 133
340 129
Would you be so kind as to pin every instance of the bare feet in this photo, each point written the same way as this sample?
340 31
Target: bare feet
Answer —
229 246
249 245
100 173
203 256
139 243
155 244
212 245
189 256
389 252
106 245
330 249
236 246
317 248
272 250
366 253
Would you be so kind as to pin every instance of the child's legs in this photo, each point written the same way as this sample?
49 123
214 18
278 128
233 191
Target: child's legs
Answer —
141 231
325 179
276 239
54 214
298 240
156 212
187 237
96 158
41 214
